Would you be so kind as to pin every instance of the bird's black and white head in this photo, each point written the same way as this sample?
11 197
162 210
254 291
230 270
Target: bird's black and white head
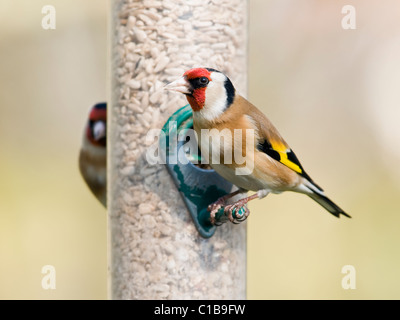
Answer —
93 152
96 128
208 91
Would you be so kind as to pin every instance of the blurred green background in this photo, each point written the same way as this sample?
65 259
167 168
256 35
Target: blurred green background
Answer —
333 93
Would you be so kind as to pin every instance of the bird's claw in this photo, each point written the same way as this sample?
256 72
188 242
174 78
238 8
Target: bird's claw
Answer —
213 211
217 204
237 212
214 207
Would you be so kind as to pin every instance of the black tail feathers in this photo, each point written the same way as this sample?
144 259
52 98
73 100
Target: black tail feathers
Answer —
328 204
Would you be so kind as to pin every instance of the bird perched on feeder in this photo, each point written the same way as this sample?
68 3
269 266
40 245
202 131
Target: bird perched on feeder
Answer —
93 153
217 105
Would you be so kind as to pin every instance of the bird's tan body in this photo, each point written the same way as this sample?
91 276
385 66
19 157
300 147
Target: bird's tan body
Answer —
92 165
244 116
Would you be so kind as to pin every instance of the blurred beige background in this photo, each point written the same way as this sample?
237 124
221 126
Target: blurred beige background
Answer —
332 93
48 81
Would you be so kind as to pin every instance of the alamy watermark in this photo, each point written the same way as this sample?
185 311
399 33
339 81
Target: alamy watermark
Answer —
349 280
349 20
224 146
49 278
49 20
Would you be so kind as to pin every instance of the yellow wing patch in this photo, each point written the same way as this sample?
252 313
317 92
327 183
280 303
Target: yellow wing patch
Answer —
284 154
277 150
290 164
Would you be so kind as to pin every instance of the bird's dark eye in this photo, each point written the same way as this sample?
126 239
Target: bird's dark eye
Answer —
203 81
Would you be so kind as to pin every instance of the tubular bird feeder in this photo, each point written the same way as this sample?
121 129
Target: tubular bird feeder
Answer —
157 248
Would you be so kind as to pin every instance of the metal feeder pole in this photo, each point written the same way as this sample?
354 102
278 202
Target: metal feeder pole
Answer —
155 250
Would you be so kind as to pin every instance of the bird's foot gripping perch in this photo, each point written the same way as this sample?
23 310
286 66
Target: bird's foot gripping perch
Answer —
237 212
217 209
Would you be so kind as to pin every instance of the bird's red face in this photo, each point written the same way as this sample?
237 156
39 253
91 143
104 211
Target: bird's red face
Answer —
193 84
199 79
208 91
96 129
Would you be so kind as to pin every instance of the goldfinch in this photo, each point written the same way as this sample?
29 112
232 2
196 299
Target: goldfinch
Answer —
93 153
220 112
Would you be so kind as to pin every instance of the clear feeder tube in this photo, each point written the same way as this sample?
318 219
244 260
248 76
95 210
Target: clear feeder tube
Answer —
155 251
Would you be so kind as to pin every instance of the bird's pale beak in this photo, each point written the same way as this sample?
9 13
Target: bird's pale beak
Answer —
181 85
